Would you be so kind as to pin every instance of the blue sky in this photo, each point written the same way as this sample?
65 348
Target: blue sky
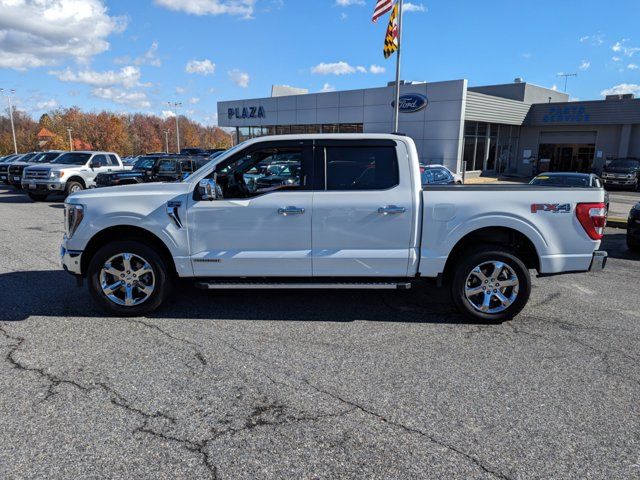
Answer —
125 55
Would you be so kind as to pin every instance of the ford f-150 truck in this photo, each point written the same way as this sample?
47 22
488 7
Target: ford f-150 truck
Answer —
357 217
69 173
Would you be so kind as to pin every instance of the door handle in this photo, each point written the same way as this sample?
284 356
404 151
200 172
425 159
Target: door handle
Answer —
391 210
290 211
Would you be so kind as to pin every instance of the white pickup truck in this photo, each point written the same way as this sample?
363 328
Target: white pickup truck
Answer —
328 212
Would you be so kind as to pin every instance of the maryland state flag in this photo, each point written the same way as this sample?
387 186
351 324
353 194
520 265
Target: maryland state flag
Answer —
391 38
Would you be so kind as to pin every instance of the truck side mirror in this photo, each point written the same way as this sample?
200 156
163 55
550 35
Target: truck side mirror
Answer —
94 164
209 190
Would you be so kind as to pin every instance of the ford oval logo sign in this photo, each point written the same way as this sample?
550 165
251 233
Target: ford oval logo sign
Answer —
412 102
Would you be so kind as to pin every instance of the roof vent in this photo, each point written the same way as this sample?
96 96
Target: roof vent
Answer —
518 80
620 96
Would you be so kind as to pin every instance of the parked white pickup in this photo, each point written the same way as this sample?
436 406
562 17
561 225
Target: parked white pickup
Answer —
328 211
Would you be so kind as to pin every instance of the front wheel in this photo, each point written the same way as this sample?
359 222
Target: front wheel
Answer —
128 278
73 187
490 284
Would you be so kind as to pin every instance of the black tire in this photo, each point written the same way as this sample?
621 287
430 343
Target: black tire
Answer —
483 255
633 244
38 197
73 186
161 273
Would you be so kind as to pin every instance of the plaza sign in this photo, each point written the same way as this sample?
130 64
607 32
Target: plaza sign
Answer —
246 112
412 102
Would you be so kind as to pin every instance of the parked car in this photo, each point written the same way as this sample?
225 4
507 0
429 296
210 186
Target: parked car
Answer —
16 168
623 172
69 173
130 160
633 228
5 176
373 227
438 175
570 179
4 167
152 169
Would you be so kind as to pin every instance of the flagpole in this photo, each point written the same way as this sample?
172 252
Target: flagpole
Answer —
396 103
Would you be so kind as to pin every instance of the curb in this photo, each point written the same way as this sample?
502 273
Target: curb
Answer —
617 222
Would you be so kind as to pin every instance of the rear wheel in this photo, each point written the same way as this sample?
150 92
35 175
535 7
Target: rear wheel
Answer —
38 197
491 284
73 187
128 278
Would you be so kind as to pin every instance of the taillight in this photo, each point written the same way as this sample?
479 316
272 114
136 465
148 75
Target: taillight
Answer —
593 218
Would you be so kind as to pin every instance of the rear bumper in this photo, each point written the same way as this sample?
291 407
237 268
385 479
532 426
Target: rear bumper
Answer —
599 260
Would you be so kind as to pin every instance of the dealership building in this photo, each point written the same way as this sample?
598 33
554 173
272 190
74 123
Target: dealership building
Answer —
516 128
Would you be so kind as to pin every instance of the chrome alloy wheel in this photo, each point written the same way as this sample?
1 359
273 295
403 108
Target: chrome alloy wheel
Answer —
75 188
491 287
127 279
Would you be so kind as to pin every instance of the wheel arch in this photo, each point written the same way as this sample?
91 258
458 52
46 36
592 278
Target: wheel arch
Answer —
126 232
516 242
76 178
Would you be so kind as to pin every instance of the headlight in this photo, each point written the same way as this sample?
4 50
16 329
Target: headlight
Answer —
73 215
56 174
630 175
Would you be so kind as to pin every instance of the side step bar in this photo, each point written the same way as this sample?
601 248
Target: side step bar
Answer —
220 285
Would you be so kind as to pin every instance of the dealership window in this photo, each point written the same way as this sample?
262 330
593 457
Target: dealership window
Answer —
489 146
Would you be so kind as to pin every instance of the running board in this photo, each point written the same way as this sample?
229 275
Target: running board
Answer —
221 285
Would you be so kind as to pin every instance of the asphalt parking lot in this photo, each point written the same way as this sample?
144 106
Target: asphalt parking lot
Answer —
312 384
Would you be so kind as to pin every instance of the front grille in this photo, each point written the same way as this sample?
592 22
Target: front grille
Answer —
37 174
16 169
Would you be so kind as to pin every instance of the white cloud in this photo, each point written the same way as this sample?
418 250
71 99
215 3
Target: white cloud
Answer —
150 57
180 90
622 89
201 67
36 33
597 39
414 7
128 77
585 65
633 66
337 68
239 78
167 114
347 3
361 69
343 16
526 55
243 8
116 95
377 69
194 100
616 59
328 88
623 48
47 104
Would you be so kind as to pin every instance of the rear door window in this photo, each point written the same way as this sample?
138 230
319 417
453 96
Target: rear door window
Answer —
361 168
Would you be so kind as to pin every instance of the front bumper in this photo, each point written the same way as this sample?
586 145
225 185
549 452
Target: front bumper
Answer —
620 182
599 260
43 185
71 260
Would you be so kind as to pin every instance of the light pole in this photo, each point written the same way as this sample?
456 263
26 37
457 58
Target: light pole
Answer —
166 139
176 105
70 139
13 128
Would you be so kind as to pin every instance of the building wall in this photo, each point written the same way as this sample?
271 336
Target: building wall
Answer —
490 109
522 92
436 130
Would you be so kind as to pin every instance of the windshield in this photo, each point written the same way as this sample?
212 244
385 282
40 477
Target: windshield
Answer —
72 158
46 157
28 157
624 164
145 163
561 181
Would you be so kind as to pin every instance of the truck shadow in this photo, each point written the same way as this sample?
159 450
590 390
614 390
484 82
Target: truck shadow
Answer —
53 293
615 244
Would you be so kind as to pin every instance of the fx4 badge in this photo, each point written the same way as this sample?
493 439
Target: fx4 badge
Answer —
551 207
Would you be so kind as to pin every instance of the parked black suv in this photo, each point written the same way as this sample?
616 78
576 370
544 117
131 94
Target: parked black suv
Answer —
151 168
623 172
14 176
